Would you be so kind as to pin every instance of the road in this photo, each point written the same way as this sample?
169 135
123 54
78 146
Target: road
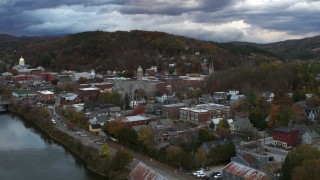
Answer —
167 171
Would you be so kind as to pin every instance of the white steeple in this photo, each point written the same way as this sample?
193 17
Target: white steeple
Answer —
139 73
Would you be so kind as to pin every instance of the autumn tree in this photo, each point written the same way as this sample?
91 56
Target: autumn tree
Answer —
105 152
201 157
284 116
310 169
146 137
140 109
113 127
296 157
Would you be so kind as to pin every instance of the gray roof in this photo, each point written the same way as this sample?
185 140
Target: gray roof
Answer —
241 122
314 134
302 128
180 127
165 122
114 109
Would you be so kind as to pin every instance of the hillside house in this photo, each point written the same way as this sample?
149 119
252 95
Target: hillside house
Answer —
285 137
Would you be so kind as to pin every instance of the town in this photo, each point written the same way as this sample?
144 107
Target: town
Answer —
167 117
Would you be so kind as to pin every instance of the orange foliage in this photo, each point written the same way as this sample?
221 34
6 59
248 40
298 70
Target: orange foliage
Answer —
273 111
139 110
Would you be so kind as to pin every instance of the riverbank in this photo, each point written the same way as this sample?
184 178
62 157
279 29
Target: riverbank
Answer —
90 156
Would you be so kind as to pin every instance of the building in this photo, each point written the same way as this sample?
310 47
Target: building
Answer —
220 97
194 116
46 96
242 126
202 113
310 137
88 93
285 137
172 110
236 171
139 73
136 120
142 171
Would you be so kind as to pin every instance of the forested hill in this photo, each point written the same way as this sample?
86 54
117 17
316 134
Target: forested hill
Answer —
127 50
303 49
118 51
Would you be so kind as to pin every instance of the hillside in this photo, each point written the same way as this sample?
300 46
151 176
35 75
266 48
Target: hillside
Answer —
122 50
304 49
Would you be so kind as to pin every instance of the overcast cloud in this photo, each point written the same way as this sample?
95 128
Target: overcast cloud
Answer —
258 21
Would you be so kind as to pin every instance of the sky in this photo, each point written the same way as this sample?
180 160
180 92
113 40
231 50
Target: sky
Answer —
259 21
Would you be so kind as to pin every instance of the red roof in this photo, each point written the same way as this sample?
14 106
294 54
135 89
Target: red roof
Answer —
141 171
245 172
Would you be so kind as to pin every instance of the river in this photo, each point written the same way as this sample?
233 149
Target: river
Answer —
28 154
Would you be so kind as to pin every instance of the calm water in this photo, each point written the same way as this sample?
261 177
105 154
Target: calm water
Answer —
26 153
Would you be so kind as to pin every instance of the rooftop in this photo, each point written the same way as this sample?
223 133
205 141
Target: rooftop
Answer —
245 172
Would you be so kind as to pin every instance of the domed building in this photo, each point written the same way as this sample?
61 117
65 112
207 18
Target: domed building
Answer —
21 65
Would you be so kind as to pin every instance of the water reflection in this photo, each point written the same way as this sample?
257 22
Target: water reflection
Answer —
26 153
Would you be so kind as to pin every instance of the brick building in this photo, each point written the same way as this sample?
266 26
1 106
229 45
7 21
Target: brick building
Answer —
202 113
285 137
88 93
172 110
46 96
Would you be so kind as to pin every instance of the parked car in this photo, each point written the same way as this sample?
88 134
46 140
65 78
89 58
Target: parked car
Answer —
215 175
99 143
199 173
53 121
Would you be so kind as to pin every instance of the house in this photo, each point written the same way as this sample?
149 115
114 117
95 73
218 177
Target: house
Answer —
114 111
310 137
209 146
235 100
285 137
95 128
207 98
247 160
150 99
311 113
165 134
220 97
236 171
242 126
98 117
302 128
233 92
28 94
254 147
133 104
172 100
161 97
155 108
268 95
93 105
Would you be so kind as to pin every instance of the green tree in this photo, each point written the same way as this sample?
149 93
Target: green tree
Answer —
283 116
204 135
128 137
105 152
257 118
121 159
298 96
223 124
296 157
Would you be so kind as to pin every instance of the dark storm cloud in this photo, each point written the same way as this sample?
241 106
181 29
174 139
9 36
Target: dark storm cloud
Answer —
216 20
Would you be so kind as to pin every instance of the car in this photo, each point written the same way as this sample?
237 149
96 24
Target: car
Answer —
215 175
83 135
53 121
99 143
266 150
200 174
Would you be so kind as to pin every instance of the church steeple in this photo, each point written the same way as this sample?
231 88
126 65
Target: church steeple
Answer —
211 69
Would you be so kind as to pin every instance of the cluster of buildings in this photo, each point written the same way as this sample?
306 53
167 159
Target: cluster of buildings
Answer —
172 119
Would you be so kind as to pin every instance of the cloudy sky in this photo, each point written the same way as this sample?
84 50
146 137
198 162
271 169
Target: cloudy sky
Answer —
260 21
